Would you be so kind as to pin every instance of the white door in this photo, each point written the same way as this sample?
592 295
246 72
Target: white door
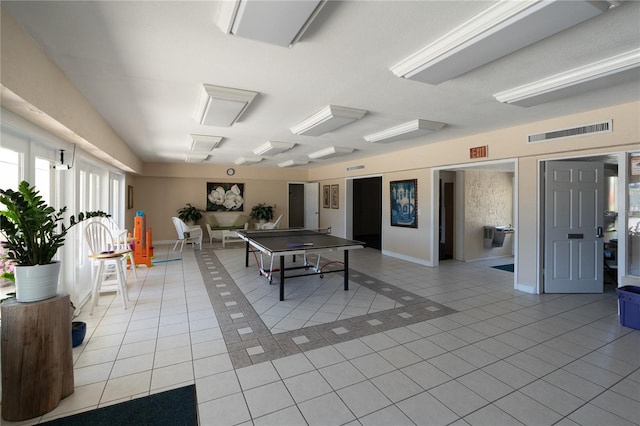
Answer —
311 205
573 219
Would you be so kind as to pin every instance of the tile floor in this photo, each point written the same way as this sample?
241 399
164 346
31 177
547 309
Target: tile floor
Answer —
473 351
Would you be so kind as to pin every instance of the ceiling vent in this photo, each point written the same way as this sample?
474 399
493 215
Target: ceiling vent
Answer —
587 129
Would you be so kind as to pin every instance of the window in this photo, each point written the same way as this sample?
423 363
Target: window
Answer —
116 198
10 168
43 182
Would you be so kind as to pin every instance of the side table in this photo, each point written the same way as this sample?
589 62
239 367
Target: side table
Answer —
37 360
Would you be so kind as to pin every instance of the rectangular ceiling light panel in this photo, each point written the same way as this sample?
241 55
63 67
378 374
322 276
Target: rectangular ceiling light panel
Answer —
498 31
247 160
292 163
326 120
203 142
195 158
332 151
272 148
222 106
276 22
609 72
411 129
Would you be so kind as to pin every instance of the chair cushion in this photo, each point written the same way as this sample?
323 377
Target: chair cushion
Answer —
240 221
211 220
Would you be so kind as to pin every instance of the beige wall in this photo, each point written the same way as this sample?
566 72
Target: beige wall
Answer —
488 201
29 77
408 243
167 187
334 218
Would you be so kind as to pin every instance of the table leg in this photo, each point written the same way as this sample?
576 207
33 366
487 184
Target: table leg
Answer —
121 283
246 255
97 283
281 278
346 270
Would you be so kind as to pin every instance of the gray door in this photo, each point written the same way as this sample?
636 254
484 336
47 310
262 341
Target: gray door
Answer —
573 219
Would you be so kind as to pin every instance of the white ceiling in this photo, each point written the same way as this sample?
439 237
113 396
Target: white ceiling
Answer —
142 65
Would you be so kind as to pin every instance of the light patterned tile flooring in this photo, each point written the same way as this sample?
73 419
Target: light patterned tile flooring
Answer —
504 358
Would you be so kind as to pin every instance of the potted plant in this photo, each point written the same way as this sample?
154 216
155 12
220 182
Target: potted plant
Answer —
32 236
261 213
190 214
78 328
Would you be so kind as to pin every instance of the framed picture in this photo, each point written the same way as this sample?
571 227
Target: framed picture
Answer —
129 197
225 197
404 203
326 203
334 196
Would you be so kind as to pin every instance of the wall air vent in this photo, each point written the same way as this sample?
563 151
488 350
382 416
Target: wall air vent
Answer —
587 129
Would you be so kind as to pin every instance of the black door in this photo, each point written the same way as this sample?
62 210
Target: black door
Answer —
367 211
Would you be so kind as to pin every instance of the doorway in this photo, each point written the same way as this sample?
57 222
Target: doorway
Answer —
447 217
367 211
296 205
466 198
303 205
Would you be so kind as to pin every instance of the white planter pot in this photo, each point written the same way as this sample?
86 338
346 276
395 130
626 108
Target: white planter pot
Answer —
36 282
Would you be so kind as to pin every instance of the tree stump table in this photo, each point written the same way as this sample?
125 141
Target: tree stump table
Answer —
37 360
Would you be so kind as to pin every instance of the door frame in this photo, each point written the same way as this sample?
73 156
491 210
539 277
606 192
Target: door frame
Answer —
304 201
459 215
348 211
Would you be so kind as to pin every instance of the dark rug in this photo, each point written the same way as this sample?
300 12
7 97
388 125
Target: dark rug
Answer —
508 267
170 408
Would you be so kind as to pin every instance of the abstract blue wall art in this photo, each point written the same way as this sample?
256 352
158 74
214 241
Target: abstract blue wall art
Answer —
404 203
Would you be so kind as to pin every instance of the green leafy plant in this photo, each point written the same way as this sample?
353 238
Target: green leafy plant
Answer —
190 213
262 212
33 231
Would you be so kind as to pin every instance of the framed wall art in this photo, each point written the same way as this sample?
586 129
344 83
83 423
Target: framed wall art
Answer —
404 203
129 197
225 197
326 197
335 196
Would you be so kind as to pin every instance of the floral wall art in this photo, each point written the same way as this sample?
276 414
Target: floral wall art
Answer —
225 197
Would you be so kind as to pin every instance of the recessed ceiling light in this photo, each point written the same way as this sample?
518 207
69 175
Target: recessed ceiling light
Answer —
203 142
326 120
332 151
222 106
272 148
411 129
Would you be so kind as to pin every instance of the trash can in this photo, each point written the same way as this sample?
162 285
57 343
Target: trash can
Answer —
629 306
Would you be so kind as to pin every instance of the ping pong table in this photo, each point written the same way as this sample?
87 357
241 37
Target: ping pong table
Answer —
279 243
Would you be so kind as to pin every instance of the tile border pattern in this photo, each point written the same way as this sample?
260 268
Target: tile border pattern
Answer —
249 341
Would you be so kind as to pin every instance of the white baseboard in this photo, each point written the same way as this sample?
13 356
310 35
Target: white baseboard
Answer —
407 258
